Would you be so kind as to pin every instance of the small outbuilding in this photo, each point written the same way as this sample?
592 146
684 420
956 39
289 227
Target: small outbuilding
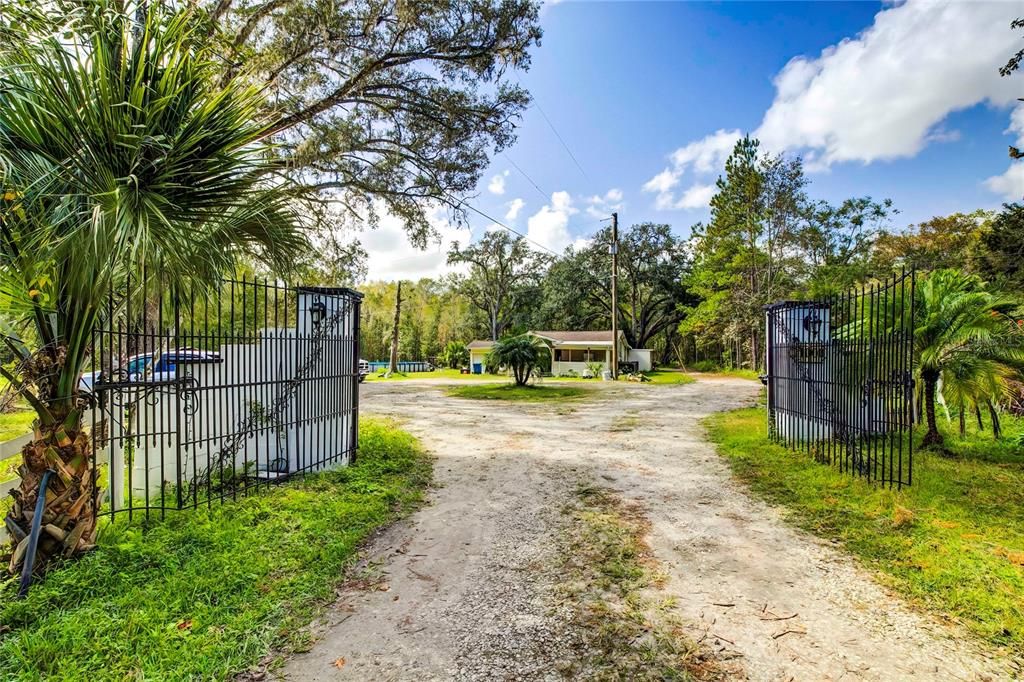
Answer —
478 351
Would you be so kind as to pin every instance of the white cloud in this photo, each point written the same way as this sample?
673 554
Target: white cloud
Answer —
662 182
550 225
514 207
1009 185
883 94
497 183
601 206
697 196
392 257
1017 124
706 155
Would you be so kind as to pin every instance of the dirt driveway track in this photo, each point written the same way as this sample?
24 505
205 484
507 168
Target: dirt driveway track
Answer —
463 587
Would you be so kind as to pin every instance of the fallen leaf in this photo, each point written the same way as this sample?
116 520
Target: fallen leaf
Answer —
339 662
185 625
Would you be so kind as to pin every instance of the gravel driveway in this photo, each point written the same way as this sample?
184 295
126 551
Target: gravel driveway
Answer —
461 590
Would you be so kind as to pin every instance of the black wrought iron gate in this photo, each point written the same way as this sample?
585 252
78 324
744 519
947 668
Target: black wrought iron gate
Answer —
206 395
840 379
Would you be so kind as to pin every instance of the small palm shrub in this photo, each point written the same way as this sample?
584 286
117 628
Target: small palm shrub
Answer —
964 342
520 354
454 355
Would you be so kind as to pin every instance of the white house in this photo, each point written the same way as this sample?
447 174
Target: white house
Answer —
572 350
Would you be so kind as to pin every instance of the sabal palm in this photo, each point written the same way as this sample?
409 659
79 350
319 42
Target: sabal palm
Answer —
121 152
963 337
521 354
971 381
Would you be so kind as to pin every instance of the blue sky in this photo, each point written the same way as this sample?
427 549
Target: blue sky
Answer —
894 101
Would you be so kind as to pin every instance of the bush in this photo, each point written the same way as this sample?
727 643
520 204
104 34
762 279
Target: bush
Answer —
521 354
454 355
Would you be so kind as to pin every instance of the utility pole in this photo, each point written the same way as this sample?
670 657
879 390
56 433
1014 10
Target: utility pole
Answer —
615 295
393 365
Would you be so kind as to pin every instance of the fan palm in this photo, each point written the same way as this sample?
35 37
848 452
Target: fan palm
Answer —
962 337
521 354
455 355
122 151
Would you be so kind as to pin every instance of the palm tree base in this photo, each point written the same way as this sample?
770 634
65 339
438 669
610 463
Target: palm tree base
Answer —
69 520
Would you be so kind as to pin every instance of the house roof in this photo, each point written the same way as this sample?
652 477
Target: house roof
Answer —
479 344
576 337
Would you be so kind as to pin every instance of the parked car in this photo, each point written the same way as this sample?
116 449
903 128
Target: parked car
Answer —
364 370
140 367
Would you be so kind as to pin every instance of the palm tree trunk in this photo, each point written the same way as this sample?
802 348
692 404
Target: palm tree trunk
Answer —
977 413
932 435
997 429
69 517
963 423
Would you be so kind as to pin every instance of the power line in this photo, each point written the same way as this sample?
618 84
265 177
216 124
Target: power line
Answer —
564 145
523 173
593 278
503 225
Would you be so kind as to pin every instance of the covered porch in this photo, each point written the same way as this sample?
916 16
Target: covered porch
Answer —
576 351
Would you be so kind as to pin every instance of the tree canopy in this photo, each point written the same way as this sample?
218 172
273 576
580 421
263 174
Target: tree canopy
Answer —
382 106
652 263
503 280
767 240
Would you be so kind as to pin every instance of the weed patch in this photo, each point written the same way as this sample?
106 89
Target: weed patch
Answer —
609 573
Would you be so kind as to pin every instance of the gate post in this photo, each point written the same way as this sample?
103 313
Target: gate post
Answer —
769 365
354 437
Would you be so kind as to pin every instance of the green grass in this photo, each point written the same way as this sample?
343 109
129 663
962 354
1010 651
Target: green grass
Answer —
17 423
669 376
436 374
729 372
530 394
208 593
953 542
12 425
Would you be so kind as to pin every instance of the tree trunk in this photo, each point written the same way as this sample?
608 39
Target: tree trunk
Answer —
69 517
932 436
963 422
977 413
393 364
997 429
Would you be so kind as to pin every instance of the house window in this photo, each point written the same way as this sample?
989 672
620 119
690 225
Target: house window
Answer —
580 355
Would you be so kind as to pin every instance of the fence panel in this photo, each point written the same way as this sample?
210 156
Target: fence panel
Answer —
840 379
201 396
